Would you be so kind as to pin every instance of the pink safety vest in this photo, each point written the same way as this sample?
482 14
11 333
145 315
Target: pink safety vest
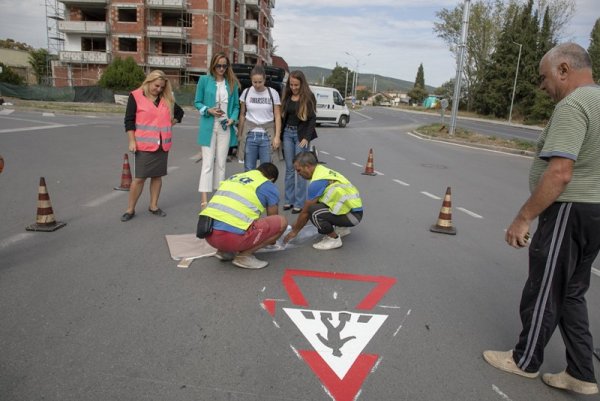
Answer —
152 123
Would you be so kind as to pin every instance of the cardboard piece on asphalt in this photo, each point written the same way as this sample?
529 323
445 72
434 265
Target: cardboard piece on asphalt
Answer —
188 246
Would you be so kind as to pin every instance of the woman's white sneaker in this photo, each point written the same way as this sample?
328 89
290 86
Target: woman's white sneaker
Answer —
328 243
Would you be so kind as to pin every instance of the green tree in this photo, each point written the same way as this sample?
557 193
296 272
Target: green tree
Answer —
418 92
122 75
39 61
594 50
9 76
338 78
420 78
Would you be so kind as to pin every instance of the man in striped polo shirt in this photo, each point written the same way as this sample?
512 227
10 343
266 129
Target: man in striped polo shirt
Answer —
565 197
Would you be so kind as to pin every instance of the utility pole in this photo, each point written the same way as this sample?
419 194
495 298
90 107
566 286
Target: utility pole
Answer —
512 99
459 67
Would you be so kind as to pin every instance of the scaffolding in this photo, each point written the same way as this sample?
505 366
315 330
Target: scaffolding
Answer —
55 40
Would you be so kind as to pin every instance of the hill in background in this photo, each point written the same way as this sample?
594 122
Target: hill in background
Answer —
317 75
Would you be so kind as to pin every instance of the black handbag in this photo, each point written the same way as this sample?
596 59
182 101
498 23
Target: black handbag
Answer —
204 227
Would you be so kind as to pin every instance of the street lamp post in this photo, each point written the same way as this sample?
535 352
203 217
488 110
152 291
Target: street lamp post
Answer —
355 80
346 90
512 100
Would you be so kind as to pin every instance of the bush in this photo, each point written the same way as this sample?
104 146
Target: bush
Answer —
9 76
122 75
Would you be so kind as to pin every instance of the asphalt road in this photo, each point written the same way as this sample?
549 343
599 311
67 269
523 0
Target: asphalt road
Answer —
98 310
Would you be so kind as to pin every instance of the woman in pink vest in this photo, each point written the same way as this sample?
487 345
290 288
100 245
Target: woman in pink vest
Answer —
151 112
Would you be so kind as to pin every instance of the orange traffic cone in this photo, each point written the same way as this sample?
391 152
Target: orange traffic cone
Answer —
125 175
45 215
369 169
444 223
1 163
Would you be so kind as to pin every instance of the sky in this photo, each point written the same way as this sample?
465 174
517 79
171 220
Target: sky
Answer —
385 37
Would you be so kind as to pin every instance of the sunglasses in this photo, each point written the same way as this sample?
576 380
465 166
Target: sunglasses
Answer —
221 65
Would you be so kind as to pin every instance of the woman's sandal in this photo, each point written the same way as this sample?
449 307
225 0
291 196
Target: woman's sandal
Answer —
287 207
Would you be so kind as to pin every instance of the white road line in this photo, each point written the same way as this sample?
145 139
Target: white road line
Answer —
432 196
36 128
374 368
334 295
379 172
402 323
295 352
390 306
172 168
103 199
470 213
402 183
363 115
6 112
339 158
14 239
48 115
500 393
322 151
357 165
596 272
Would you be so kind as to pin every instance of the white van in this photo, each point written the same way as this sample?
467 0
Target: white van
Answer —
331 107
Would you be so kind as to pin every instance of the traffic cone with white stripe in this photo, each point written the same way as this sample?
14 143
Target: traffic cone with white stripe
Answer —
369 168
444 222
125 175
45 215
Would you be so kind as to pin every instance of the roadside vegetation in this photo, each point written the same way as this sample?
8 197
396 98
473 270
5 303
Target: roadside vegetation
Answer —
440 132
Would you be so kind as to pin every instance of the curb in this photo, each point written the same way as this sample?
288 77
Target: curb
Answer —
476 145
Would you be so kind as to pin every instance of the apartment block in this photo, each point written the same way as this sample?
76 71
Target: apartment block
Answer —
176 36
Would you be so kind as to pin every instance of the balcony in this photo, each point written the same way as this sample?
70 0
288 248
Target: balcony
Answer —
84 57
167 4
251 25
167 61
166 32
253 4
87 27
83 2
251 49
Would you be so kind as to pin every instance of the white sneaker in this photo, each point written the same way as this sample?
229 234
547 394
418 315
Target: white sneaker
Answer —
328 243
249 262
224 256
342 231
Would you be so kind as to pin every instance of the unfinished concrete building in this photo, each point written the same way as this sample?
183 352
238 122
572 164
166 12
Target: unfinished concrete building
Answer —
176 36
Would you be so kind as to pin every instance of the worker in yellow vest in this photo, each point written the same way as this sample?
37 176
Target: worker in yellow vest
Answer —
333 204
238 230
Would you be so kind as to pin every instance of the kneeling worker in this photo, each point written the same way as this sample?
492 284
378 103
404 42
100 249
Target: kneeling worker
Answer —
332 201
236 208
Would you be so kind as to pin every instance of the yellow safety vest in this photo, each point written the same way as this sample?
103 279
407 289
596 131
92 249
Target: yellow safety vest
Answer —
235 202
340 195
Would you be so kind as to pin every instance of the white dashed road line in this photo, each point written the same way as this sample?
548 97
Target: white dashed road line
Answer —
14 239
357 165
402 183
596 271
470 213
104 199
36 128
339 158
432 196
322 151
500 393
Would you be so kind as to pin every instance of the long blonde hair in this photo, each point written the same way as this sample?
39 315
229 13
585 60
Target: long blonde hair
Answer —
167 93
229 75
306 100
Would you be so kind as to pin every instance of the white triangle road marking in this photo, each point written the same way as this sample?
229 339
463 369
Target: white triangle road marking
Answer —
338 336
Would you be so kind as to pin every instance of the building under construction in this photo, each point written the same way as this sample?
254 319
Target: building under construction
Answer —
176 36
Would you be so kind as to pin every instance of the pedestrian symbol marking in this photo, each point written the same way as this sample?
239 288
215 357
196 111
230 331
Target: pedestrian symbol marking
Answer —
338 337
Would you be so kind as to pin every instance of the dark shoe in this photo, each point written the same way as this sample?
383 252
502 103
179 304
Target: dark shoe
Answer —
296 210
158 212
287 207
127 216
